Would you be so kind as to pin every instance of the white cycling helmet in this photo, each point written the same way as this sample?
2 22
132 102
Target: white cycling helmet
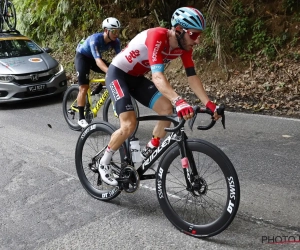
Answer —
111 23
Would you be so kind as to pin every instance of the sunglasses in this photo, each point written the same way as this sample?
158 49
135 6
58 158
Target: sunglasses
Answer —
193 35
115 32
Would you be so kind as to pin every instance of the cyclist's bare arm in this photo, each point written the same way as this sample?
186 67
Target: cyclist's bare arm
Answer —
163 85
101 64
197 87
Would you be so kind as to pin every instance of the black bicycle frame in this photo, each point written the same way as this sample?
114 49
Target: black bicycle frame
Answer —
178 136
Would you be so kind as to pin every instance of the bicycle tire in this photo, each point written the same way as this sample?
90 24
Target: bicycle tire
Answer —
12 20
94 139
218 203
70 115
109 114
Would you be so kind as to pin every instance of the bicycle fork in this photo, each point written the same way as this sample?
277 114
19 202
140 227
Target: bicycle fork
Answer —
187 162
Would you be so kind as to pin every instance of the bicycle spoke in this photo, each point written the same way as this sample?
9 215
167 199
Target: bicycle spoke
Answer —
70 108
89 150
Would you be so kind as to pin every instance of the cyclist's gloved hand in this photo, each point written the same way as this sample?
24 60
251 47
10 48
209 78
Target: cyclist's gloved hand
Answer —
214 108
184 109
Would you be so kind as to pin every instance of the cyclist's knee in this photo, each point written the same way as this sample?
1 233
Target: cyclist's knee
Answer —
128 122
83 88
128 128
163 106
166 109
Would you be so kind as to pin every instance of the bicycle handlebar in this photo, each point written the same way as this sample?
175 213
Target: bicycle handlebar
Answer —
197 109
180 125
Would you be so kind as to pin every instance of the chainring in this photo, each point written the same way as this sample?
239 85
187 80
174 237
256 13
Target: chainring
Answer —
130 179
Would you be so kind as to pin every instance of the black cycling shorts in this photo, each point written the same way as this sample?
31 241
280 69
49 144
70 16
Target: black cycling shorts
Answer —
83 65
122 86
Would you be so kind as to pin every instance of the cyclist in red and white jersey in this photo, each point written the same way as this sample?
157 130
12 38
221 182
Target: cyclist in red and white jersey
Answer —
149 51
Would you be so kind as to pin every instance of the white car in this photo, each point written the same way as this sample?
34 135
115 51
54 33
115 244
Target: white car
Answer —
27 71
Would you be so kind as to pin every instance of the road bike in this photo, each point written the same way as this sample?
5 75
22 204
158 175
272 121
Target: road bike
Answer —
196 184
7 15
70 107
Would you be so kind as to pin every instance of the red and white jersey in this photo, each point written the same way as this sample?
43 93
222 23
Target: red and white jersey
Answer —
149 50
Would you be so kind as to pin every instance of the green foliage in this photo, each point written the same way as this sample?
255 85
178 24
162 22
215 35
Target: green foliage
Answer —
163 23
291 5
249 33
295 56
206 48
58 22
239 33
295 40
238 8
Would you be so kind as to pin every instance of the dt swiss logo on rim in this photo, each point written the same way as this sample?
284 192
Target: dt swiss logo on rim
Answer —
116 90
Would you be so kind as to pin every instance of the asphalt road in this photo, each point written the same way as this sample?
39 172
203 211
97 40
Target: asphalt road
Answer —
43 205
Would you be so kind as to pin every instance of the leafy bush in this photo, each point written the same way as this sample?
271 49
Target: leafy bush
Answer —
58 22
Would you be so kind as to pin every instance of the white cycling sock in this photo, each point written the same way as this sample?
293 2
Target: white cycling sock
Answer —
105 160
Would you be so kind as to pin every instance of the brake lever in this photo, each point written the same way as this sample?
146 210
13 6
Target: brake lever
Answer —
193 119
221 112
223 120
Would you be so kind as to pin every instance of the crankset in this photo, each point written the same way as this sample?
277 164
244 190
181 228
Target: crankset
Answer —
89 116
129 179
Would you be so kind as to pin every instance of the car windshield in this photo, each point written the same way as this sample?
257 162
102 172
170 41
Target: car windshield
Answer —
17 48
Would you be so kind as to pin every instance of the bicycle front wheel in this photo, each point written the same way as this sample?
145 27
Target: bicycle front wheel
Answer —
70 107
109 114
90 148
209 205
10 16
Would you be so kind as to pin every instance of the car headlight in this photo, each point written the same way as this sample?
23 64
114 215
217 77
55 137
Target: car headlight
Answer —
58 69
6 78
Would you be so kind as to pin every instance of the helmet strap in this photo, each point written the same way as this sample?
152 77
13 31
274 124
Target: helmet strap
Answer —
179 36
108 34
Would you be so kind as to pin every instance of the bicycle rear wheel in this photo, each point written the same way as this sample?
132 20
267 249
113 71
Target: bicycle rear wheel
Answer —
210 205
70 109
110 116
90 148
10 15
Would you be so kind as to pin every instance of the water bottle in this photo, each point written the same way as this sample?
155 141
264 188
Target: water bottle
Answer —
152 145
135 150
